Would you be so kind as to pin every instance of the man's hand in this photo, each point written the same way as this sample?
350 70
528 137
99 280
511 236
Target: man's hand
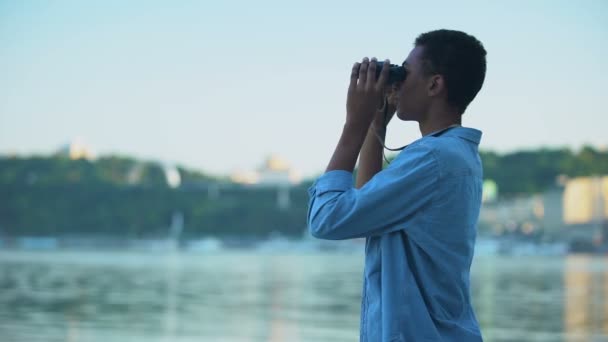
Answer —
391 94
363 99
365 93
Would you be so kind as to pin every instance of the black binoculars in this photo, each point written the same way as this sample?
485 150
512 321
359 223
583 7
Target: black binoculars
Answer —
396 73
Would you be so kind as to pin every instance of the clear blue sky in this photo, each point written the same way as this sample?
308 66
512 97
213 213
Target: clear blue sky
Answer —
218 86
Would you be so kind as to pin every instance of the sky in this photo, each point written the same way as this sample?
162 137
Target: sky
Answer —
219 86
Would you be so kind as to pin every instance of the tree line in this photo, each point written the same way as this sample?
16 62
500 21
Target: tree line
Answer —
123 197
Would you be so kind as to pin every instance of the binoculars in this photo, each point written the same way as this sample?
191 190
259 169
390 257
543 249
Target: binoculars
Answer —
396 73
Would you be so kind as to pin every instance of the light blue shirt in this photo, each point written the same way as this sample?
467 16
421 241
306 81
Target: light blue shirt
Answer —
419 217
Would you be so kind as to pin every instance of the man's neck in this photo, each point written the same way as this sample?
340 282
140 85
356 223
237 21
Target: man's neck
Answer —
439 116
430 126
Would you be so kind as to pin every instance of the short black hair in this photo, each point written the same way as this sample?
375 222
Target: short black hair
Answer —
460 58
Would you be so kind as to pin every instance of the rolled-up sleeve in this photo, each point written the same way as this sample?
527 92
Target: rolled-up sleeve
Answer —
386 203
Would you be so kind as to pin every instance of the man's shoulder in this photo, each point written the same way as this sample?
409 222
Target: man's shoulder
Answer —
435 147
417 152
452 154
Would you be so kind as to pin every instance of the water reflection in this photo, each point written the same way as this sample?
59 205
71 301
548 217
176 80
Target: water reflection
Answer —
519 299
78 296
586 299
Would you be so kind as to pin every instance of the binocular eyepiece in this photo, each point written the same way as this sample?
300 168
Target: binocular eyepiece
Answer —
396 73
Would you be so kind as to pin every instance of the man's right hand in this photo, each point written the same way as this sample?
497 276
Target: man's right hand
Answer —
390 93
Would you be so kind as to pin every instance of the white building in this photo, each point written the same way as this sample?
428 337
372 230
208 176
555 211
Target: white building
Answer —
274 171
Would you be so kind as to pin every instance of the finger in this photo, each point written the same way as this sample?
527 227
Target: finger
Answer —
383 75
363 71
354 75
371 72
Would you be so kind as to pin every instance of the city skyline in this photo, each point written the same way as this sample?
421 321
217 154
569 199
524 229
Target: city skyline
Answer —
170 82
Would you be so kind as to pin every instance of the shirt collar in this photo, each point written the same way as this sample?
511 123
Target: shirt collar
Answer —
467 133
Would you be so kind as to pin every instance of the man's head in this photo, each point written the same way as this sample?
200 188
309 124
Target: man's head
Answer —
446 69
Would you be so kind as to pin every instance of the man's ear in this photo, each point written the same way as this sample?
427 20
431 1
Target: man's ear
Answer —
436 85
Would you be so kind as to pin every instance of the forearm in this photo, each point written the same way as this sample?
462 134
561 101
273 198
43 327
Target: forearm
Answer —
370 159
347 150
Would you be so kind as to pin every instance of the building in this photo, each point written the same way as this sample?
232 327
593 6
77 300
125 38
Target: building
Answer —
76 150
275 171
585 200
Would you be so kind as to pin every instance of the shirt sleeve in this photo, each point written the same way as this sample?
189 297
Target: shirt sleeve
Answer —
386 203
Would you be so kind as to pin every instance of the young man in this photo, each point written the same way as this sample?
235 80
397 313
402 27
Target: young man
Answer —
418 215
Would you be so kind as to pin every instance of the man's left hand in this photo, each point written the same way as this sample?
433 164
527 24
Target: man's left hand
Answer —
365 93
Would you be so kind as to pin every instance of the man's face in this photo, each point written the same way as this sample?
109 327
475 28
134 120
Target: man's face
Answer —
413 96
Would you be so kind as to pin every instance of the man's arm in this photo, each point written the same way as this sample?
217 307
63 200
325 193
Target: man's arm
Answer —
349 145
370 159
364 95
387 203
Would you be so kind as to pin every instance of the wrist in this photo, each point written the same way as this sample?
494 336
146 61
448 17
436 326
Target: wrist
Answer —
356 126
378 126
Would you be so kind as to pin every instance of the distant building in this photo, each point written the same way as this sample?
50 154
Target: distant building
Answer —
509 215
76 150
274 171
245 177
585 200
574 209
